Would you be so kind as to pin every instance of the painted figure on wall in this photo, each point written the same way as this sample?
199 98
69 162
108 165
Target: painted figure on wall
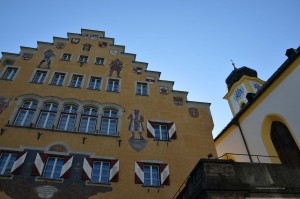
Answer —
116 65
48 57
3 103
136 124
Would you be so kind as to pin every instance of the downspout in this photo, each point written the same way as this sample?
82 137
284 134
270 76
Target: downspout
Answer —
236 122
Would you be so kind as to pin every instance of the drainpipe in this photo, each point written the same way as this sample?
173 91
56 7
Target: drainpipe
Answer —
236 122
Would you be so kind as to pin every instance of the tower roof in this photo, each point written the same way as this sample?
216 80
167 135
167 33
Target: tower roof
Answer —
238 73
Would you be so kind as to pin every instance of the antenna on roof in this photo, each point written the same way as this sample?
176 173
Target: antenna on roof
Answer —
233 64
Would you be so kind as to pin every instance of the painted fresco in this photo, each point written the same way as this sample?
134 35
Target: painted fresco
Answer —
116 65
48 57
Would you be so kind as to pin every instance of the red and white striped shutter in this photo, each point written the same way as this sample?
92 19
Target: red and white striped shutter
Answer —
150 130
114 171
39 164
17 166
139 173
87 169
164 174
66 168
172 131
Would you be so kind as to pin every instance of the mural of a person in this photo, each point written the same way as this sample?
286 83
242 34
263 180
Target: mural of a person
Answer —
116 65
48 57
136 124
3 103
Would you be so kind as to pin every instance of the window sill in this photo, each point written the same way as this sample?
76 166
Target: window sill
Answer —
93 89
142 95
63 131
55 85
113 91
9 176
7 79
42 179
158 140
65 60
100 184
36 82
74 87
99 64
149 186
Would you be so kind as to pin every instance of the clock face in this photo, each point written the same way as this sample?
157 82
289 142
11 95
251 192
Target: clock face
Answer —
238 93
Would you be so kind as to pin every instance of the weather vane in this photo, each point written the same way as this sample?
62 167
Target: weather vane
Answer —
233 64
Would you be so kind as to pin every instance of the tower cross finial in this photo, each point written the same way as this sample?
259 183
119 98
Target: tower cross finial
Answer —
233 64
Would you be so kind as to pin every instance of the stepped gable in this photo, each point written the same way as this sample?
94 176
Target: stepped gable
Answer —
58 43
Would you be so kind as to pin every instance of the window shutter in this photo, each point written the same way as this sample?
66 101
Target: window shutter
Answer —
17 166
172 131
114 171
39 164
164 174
150 129
87 169
66 168
139 173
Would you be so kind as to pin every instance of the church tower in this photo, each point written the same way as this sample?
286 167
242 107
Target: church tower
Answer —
242 84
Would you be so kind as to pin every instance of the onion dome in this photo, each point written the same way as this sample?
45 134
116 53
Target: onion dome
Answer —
237 74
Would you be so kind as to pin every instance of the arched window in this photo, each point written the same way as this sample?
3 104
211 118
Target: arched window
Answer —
88 120
109 122
284 143
47 116
68 118
26 113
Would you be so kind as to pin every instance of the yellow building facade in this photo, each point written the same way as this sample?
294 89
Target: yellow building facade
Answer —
81 118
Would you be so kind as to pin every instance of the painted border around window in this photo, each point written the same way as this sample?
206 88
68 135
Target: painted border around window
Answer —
104 62
113 78
101 82
61 58
35 71
148 88
52 76
5 69
82 82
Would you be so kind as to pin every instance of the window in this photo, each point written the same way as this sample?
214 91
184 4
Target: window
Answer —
141 88
66 57
95 83
88 120
11 162
109 122
26 113
83 59
99 61
113 85
100 171
10 73
6 163
76 81
52 166
160 130
47 116
39 77
68 118
154 174
58 79
151 175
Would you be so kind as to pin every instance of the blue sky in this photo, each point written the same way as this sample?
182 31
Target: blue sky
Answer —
190 42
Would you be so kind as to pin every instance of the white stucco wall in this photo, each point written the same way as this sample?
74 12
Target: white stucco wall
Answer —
283 101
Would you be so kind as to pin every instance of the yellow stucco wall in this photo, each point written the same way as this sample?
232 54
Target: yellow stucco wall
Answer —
194 135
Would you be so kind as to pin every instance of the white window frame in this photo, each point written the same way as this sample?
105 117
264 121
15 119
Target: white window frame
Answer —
82 82
86 59
35 73
107 83
95 77
54 165
53 74
151 177
62 57
138 83
7 67
6 163
95 62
